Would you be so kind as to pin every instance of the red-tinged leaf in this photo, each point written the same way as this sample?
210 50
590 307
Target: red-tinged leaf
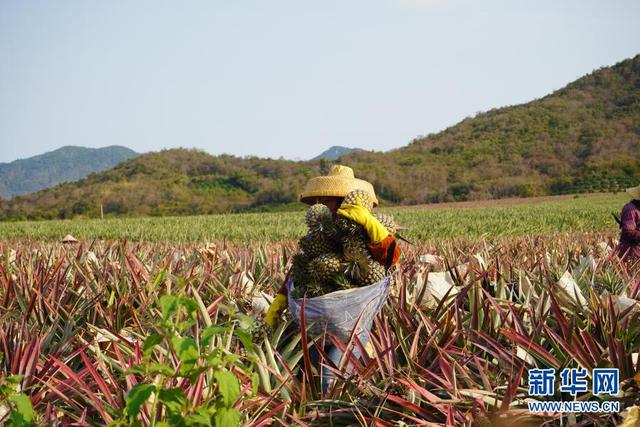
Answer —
379 422
595 353
266 418
60 393
447 372
305 351
512 388
532 347
433 378
108 394
481 371
431 398
408 405
571 350
292 380
211 309
90 396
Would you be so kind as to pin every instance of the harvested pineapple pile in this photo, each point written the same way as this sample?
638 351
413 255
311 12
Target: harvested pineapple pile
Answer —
334 253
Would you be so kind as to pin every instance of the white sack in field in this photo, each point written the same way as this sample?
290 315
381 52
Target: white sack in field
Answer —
621 302
261 302
437 285
568 284
341 310
431 259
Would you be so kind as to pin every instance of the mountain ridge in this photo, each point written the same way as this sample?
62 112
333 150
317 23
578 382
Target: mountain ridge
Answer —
67 163
335 152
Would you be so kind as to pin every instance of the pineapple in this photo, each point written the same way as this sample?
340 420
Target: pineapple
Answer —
355 245
299 270
259 329
313 289
388 222
317 243
318 217
365 198
356 256
374 273
343 282
346 227
325 267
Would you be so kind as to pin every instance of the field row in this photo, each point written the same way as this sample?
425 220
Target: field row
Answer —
588 213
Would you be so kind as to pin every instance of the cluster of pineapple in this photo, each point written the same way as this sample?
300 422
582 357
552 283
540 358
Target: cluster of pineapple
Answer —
334 253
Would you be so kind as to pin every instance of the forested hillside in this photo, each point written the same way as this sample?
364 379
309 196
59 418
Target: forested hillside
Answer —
584 137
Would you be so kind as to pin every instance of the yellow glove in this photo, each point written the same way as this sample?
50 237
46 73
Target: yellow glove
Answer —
361 215
278 305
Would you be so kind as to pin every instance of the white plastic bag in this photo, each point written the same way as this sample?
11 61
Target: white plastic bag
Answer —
340 311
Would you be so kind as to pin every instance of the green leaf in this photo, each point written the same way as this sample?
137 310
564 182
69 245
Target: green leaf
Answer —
227 417
190 305
22 411
159 277
168 305
160 368
174 399
187 352
230 359
136 397
151 341
214 360
14 379
139 370
245 339
201 417
183 326
228 386
255 383
210 332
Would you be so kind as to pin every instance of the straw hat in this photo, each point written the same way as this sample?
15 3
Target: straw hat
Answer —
338 183
634 192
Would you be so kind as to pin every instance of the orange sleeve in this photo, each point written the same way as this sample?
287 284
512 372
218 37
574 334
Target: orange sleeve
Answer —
385 250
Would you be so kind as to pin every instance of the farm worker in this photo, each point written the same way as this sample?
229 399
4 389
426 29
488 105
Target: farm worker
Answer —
330 190
629 248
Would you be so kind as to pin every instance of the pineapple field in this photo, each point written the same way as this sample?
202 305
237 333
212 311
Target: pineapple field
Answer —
159 321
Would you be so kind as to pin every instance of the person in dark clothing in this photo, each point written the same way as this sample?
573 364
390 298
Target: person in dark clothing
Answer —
629 248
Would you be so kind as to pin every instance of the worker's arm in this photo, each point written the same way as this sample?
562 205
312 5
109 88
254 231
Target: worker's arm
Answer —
382 244
629 228
386 252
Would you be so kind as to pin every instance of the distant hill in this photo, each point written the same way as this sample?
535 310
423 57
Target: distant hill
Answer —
68 163
171 182
335 152
584 137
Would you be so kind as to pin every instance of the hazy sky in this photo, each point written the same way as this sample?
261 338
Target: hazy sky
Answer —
285 78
